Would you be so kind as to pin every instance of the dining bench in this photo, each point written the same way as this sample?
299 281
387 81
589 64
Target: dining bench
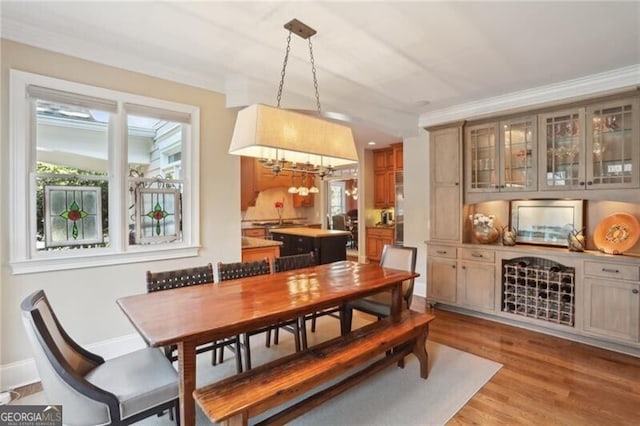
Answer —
232 401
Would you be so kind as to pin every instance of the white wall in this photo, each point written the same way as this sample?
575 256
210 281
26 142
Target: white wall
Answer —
85 299
416 202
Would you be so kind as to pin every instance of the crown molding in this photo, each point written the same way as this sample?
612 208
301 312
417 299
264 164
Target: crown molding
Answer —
608 82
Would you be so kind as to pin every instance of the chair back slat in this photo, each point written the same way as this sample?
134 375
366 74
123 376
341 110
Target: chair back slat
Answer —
235 270
296 261
165 280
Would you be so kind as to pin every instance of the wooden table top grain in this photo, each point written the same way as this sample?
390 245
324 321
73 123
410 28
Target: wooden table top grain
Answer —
194 315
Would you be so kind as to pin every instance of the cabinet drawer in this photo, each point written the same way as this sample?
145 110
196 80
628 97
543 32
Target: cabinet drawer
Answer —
442 251
380 232
477 254
612 270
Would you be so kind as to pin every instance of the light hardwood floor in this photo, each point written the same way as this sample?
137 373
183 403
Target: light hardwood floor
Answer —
545 380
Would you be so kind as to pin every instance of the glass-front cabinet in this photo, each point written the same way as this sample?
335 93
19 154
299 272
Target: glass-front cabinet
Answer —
518 162
562 153
501 157
612 149
590 148
481 152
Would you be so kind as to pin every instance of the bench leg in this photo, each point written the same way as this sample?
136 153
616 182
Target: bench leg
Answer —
241 419
420 351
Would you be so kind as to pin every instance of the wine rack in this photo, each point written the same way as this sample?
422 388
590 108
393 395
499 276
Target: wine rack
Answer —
539 288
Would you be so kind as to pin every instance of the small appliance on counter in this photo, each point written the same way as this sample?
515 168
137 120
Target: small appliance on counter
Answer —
386 217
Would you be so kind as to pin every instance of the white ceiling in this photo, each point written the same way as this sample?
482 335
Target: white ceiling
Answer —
384 64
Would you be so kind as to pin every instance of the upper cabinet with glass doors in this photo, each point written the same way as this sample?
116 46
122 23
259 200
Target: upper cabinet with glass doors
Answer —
590 148
501 157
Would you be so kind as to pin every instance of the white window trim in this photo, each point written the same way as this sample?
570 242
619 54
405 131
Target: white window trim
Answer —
23 257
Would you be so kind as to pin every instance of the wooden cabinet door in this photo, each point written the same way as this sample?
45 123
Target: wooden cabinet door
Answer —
380 191
482 160
446 192
476 286
612 309
441 276
613 151
398 157
248 190
379 160
518 155
373 248
391 189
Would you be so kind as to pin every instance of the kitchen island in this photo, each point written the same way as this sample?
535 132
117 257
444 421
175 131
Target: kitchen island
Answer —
328 245
259 248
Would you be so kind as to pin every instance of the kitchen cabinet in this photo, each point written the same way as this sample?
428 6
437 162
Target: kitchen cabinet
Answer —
475 281
593 147
377 238
398 156
441 274
446 191
501 156
258 249
385 164
328 245
255 178
612 301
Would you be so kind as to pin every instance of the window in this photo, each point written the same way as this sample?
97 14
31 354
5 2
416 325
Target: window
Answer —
110 177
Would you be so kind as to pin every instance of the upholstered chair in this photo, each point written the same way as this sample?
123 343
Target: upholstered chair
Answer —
199 275
118 391
237 270
396 257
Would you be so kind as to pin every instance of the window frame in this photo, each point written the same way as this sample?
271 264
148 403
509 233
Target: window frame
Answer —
23 256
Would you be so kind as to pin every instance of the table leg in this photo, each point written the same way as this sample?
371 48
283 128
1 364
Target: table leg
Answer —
187 376
396 302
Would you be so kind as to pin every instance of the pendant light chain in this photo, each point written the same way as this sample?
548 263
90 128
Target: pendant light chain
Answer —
313 71
284 68
284 71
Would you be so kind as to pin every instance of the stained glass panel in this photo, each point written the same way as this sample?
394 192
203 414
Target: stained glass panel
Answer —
73 215
157 215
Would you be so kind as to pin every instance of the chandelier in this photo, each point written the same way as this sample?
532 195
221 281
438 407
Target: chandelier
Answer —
288 141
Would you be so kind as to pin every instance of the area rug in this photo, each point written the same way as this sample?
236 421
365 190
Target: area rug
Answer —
391 397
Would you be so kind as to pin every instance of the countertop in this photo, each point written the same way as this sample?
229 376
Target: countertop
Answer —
250 242
310 232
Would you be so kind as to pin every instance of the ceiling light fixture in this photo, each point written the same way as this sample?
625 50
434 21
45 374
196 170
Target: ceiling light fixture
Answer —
289 141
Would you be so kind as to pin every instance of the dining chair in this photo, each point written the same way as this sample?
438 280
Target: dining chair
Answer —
118 391
236 270
298 326
199 275
379 305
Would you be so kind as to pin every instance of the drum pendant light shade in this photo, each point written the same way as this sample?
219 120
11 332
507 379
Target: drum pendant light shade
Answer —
267 132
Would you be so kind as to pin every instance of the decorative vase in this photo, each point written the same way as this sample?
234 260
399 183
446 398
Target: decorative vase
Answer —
486 234
508 236
575 240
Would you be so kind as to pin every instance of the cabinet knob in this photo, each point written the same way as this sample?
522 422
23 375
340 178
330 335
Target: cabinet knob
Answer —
457 183
634 291
580 183
453 266
589 183
464 267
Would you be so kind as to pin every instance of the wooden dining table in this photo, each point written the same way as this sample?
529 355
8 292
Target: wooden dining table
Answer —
190 316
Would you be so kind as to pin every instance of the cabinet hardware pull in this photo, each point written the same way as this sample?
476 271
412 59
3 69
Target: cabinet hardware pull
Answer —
476 255
453 266
589 183
634 291
580 183
613 271
441 252
457 183
464 267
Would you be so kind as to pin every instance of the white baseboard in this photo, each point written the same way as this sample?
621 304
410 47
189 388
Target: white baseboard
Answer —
24 372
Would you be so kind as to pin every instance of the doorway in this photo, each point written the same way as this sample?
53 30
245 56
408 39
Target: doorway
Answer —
342 209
